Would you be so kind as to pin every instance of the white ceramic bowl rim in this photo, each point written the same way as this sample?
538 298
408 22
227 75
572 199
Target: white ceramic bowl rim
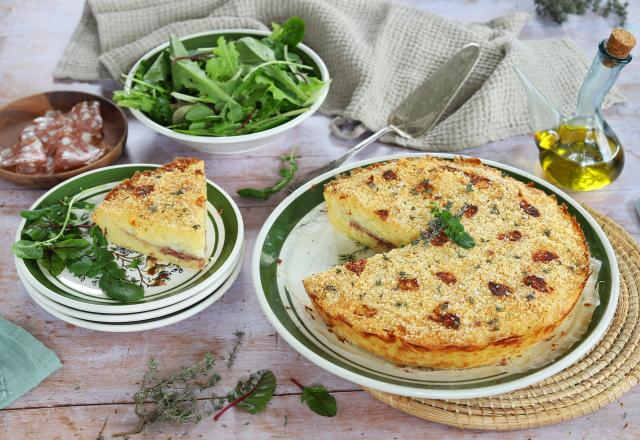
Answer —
324 75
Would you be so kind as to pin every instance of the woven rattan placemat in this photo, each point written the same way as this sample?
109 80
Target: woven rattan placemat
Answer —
605 374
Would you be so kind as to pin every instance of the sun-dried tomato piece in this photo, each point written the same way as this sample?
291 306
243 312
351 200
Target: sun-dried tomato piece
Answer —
409 284
498 289
543 256
144 190
365 310
510 236
535 282
440 239
529 208
470 210
389 175
477 180
356 267
424 187
382 213
449 320
447 277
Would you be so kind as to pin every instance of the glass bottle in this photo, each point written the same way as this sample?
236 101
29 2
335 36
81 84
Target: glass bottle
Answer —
581 152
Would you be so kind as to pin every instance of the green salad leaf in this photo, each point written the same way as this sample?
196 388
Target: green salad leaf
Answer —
53 236
318 399
237 87
251 394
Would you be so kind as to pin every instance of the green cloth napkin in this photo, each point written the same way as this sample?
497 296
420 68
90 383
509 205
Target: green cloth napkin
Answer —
24 362
377 52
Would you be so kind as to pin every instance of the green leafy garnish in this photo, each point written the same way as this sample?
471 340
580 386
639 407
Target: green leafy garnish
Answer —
237 87
452 227
54 237
174 398
251 394
318 399
286 175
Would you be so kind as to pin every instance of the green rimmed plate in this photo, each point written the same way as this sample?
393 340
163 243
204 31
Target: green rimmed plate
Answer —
225 238
284 254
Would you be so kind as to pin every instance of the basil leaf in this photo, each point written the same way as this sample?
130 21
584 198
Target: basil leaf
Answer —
27 250
319 400
119 289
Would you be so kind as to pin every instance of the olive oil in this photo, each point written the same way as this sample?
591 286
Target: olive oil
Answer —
580 158
580 151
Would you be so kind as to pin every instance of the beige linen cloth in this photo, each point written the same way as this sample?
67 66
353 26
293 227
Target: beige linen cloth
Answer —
377 52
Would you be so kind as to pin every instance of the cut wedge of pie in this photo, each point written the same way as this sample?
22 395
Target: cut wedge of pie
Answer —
160 213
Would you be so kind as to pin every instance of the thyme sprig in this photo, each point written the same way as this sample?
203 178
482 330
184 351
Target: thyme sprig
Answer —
174 398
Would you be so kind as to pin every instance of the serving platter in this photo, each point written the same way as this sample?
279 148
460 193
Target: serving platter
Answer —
225 240
284 254
147 324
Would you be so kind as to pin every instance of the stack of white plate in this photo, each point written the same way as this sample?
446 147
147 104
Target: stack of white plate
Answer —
171 293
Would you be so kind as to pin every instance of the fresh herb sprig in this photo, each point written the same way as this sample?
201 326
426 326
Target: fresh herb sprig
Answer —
557 10
287 173
451 225
54 237
174 398
318 399
237 87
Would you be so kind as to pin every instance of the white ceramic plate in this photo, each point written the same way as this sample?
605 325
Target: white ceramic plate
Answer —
129 317
295 242
225 236
136 326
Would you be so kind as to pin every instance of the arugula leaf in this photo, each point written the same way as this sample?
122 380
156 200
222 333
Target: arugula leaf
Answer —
290 33
286 174
252 394
187 73
318 399
224 65
159 71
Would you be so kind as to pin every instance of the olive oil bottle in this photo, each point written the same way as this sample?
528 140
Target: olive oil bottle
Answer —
581 152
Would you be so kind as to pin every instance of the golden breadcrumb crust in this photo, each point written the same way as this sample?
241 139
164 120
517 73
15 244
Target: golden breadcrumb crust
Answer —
159 212
429 302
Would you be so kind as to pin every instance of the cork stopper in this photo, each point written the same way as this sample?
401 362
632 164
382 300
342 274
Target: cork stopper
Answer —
620 43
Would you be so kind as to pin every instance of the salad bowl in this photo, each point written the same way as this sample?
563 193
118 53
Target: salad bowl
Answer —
238 143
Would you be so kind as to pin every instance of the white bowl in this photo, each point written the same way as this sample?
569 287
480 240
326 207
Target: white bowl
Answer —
231 144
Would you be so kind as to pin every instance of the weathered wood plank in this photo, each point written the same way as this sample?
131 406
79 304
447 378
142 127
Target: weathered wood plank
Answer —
101 371
359 417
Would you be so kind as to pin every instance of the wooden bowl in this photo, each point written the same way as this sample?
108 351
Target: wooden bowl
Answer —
18 114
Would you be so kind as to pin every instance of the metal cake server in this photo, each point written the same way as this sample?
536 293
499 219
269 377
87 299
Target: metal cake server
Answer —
420 111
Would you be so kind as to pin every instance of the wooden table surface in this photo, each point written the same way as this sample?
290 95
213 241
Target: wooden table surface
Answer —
101 371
